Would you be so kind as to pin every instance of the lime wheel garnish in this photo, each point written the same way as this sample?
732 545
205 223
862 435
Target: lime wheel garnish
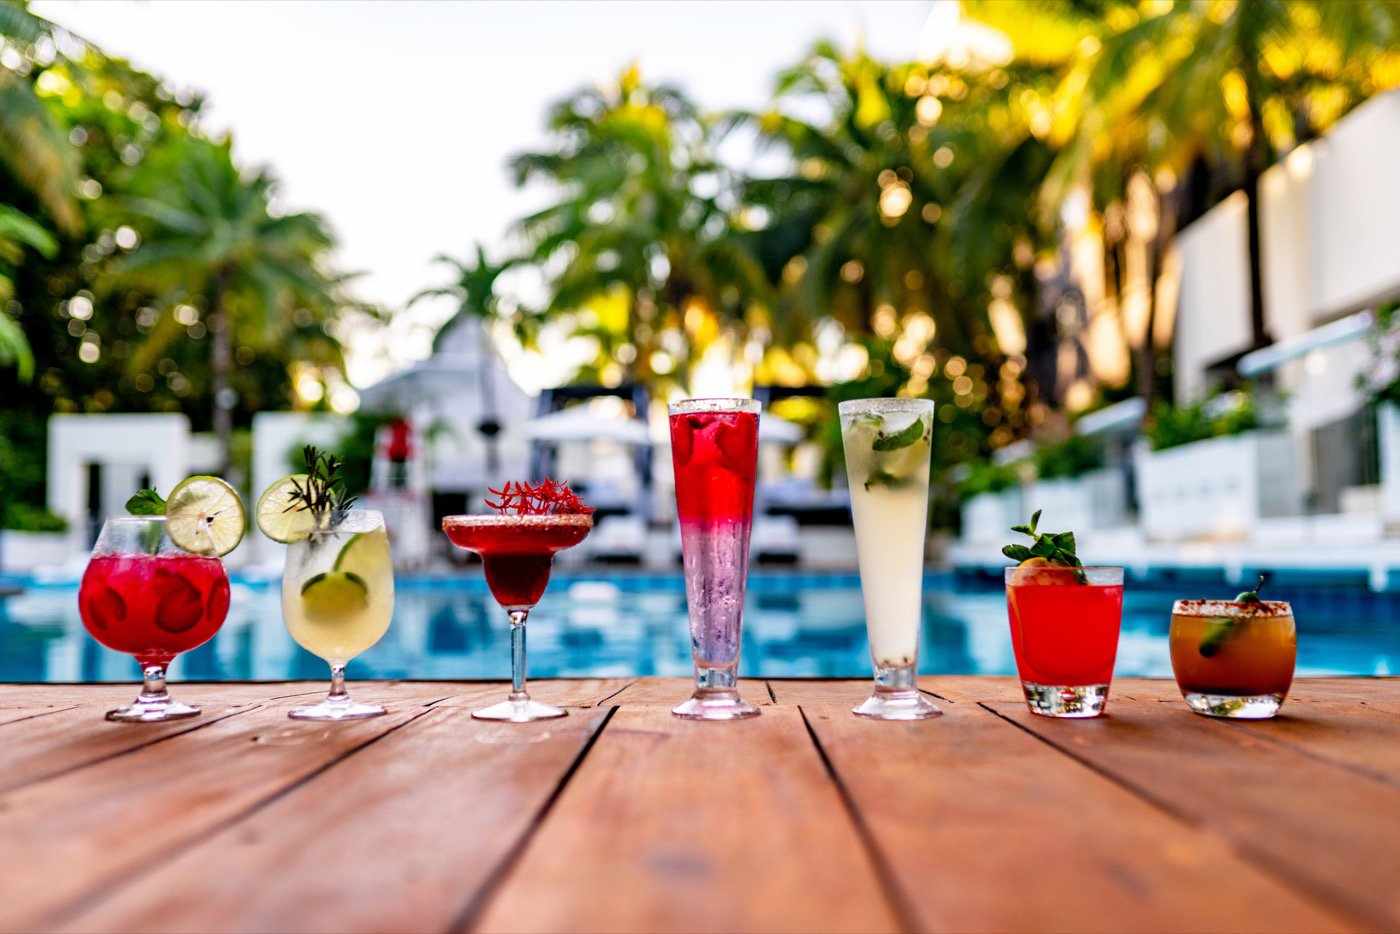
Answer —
282 514
204 516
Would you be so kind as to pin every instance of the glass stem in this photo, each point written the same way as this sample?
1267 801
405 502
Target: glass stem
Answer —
517 655
338 694
153 685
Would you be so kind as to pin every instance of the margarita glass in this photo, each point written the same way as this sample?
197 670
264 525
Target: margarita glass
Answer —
1234 658
143 595
517 552
888 443
337 600
714 450
1064 631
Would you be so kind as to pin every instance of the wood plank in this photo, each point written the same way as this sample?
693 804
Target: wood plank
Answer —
16 714
672 825
561 692
75 837
669 692
1327 830
984 828
38 748
846 692
394 838
106 696
971 689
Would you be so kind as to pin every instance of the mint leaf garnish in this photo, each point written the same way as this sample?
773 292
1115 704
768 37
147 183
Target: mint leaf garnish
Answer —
880 477
1055 547
900 439
146 503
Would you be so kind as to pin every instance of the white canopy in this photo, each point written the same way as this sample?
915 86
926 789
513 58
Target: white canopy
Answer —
775 430
580 423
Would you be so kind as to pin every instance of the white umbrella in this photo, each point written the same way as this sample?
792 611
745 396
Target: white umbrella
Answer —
581 424
775 430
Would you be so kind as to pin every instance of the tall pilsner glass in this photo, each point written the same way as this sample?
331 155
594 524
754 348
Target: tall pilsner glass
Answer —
714 450
888 443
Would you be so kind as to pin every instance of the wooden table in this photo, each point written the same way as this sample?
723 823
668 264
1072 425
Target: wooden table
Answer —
622 818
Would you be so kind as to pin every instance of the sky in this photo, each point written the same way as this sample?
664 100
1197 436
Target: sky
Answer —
396 120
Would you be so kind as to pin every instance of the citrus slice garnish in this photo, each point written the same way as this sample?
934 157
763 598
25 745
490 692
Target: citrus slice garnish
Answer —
333 595
281 516
204 516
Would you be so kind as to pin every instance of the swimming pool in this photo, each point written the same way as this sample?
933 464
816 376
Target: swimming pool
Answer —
797 624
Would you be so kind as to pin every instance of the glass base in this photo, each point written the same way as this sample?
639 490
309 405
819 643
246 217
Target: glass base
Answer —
715 705
519 710
897 705
152 712
1066 700
1234 706
333 711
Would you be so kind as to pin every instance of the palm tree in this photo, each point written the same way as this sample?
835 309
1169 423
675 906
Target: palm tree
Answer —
17 231
211 239
34 152
908 199
1231 84
639 219
474 289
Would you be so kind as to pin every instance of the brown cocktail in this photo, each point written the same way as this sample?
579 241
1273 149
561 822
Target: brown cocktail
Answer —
1234 658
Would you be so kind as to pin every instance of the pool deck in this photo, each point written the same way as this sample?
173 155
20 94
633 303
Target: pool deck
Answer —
622 818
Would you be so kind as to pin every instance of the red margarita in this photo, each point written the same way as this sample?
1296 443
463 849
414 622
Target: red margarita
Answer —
1065 620
153 607
517 546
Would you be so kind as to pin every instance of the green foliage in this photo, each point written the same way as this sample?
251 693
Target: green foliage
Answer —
22 449
1218 416
146 503
1072 457
985 476
354 447
22 517
1380 380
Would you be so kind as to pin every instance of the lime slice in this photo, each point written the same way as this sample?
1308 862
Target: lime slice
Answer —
281 517
363 554
333 595
204 516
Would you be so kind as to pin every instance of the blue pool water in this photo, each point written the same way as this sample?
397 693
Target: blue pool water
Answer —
596 624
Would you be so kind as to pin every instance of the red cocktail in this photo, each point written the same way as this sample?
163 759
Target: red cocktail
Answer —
1064 631
517 546
714 450
153 607
144 596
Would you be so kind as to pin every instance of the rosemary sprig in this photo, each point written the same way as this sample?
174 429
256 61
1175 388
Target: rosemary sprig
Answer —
323 494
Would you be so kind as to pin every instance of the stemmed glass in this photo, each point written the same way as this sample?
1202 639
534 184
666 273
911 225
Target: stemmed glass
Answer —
517 553
337 600
714 451
143 595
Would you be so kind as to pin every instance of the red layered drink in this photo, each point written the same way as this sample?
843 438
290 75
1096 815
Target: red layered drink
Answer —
714 451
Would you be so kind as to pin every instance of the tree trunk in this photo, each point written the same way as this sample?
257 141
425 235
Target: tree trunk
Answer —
1167 212
1256 156
488 398
220 365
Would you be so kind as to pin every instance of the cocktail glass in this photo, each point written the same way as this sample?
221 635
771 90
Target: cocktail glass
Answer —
337 600
143 595
1064 630
887 444
517 553
714 450
1234 658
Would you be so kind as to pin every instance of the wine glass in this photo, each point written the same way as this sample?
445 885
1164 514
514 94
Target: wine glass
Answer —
337 599
143 595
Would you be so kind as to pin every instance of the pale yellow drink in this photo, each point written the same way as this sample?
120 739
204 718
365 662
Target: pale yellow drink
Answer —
888 443
338 589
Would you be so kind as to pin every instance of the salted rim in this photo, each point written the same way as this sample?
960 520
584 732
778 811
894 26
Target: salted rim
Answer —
1262 608
715 404
566 519
881 405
